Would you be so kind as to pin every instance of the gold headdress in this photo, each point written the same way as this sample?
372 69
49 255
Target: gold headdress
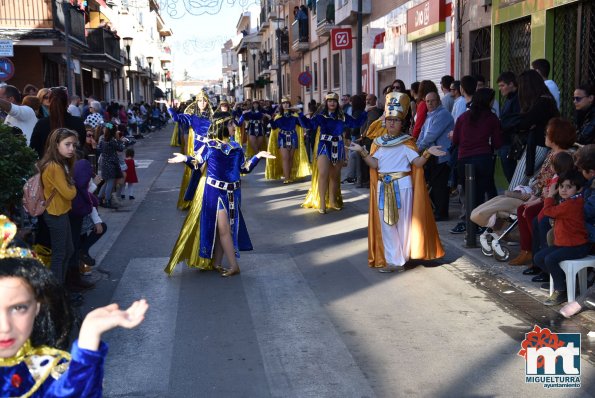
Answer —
8 230
193 108
286 99
223 101
202 94
332 96
397 105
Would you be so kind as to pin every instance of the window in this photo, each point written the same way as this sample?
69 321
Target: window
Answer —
324 74
315 76
336 70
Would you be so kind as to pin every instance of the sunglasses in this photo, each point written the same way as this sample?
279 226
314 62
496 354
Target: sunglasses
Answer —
89 135
58 88
577 99
47 96
397 88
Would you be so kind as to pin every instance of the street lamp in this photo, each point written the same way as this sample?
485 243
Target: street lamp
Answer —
150 62
254 51
127 44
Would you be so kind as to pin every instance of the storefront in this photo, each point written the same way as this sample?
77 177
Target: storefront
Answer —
562 31
427 28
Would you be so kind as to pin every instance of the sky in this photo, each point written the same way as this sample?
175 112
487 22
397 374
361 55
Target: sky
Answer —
200 28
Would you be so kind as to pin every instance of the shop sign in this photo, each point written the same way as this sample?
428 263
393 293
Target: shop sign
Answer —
425 20
341 39
6 48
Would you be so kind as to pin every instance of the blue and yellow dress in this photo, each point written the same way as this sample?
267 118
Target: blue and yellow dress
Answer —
255 125
45 372
197 126
287 133
329 142
218 189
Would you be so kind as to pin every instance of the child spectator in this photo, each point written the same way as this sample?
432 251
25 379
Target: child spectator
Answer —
131 177
585 162
56 168
570 233
37 326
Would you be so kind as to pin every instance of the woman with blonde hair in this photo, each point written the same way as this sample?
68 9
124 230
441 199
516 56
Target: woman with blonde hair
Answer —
44 97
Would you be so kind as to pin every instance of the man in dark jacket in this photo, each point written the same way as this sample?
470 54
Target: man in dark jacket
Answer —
509 120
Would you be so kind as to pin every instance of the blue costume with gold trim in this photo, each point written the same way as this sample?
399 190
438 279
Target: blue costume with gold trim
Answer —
45 372
218 189
255 122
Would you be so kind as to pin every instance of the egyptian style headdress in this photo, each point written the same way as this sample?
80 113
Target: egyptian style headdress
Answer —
8 231
396 106
193 108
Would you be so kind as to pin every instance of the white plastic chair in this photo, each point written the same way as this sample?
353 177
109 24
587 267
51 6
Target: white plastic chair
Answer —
571 268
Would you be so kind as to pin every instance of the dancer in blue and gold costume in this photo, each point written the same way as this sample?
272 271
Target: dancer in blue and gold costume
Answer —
36 324
287 140
329 121
197 118
214 225
256 120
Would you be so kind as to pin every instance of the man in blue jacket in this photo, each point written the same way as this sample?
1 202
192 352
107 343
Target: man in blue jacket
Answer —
438 124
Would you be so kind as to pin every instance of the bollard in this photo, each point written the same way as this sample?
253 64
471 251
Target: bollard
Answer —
93 160
470 236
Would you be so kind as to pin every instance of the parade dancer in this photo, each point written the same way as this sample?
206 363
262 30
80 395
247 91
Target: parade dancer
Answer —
221 118
256 120
214 225
329 121
401 223
37 322
287 139
197 118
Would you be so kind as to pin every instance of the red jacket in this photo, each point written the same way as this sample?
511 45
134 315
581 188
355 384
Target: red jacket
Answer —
569 221
420 118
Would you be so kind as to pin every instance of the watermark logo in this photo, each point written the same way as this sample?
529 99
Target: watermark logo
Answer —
552 359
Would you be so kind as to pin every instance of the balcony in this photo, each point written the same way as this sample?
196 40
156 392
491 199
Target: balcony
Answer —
325 17
36 14
77 21
346 11
264 20
104 48
300 42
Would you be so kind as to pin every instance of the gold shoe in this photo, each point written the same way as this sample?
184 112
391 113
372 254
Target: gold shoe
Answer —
230 272
219 269
322 211
337 208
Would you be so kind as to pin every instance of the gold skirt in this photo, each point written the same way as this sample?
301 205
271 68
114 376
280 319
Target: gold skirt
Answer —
187 247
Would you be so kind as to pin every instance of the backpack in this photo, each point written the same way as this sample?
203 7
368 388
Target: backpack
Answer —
33 201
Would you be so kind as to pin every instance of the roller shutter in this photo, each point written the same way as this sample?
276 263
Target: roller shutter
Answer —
431 59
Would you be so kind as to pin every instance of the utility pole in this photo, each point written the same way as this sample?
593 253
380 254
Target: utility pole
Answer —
66 11
279 33
358 49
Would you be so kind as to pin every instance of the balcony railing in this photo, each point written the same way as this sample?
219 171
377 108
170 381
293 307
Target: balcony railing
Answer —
346 11
300 40
325 16
101 40
77 21
33 14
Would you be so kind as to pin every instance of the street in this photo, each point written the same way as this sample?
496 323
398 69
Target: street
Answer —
306 317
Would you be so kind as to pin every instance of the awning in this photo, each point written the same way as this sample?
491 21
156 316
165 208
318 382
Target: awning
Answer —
158 93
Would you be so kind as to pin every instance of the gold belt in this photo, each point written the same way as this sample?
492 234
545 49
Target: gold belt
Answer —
389 196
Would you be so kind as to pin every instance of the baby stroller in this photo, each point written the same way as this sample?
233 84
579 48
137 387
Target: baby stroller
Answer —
498 214
490 240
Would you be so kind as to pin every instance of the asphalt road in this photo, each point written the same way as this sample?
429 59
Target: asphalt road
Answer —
306 317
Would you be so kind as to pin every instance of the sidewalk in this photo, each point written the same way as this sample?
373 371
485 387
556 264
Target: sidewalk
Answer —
506 281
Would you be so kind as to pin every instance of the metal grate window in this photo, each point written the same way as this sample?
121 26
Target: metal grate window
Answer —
515 46
587 46
480 52
564 61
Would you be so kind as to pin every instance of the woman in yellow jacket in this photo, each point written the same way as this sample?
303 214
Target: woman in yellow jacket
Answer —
56 169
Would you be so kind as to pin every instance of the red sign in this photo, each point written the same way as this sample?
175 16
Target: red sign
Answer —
424 17
341 39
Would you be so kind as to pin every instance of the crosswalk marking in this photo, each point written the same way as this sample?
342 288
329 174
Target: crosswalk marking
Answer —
133 365
303 354
143 163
